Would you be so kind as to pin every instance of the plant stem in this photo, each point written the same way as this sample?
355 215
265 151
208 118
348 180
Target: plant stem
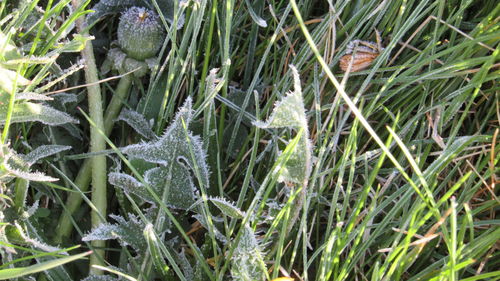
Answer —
83 178
97 143
115 105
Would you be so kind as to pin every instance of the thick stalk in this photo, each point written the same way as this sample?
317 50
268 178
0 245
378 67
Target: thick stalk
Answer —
97 143
82 180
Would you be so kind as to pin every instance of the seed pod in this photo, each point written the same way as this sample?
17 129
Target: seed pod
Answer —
140 33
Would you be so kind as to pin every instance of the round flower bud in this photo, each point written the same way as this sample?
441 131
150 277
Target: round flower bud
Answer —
140 33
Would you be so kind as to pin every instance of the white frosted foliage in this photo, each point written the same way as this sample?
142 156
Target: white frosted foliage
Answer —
130 185
138 122
44 151
227 208
27 112
289 112
128 232
180 158
32 96
100 278
247 262
30 176
297 167
107 7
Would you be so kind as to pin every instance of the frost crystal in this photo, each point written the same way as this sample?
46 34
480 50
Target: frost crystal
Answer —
27 111
247 262
138 122
227 208
181 160
140 33
290 113
127 232
44 151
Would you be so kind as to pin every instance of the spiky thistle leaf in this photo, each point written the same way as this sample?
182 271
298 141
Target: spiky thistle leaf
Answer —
227 208
28 111
128 232
180 156
247 262
43 151
16 165
290 113
130 185
137 122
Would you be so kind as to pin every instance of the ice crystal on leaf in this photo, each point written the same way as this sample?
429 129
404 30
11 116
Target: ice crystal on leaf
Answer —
247 262
18 164
180 156
128 232
130 185
176 182
33 96
227 208
43 151
290 113
174 151
140 33
138 122
173 165
28 111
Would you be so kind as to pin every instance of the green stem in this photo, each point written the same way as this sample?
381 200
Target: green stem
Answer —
115 105
97 143
83 178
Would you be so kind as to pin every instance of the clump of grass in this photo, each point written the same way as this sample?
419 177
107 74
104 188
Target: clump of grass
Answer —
247 153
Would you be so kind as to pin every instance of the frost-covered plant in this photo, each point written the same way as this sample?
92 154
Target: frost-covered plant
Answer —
141 33
176 170
108 7
140 37
180 161
247 262
26 65
290 113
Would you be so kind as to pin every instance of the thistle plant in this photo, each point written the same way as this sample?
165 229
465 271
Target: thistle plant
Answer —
140 36
177 171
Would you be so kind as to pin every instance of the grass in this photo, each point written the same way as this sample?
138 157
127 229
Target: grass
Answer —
388 173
